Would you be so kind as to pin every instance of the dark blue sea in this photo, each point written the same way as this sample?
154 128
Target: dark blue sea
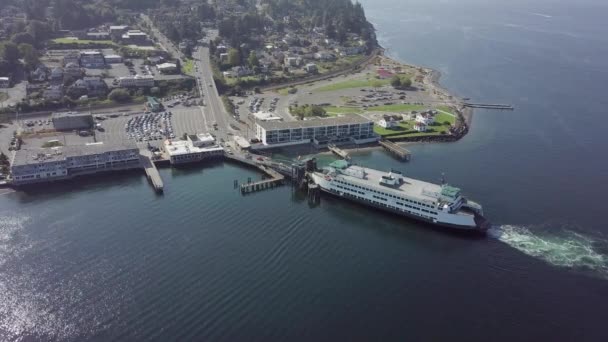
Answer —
108 260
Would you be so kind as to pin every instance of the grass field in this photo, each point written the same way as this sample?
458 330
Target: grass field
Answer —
333 111
188 66
80 41
355 83
443 121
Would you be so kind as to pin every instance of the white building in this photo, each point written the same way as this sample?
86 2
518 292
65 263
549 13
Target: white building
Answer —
54 92
137 81
420 126
48 164
266 116
311 68
197 148
5 82
387 123
167 68
113 59
350 128
425 118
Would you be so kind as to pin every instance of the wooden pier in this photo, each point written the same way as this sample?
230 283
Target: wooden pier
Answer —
489 106
276 180
338 151
151 171
396 150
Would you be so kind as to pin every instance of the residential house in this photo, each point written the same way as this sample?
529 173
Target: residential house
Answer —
387 123
426 118
292 61
54 92
241 71
311 68
41 73
5 82
31 88
72 70
420 126
95 85
223 57
221 48
324 56
57 75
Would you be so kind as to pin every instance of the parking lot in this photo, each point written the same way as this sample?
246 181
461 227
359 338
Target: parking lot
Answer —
156 125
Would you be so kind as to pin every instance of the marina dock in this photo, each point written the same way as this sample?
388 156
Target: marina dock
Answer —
489 106
338 151
151 171
276 178
396 150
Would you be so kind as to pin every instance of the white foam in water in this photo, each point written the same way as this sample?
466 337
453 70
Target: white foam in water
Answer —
564 248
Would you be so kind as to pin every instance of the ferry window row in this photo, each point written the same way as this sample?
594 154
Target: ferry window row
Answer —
386 194
391 207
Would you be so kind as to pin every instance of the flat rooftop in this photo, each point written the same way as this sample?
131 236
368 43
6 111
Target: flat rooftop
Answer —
349 119
39 155
70 114
181 147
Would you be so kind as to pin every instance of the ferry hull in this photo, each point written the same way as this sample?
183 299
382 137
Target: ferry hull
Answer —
480 229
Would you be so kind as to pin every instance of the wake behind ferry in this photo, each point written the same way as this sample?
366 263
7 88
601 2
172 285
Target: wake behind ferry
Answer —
440 205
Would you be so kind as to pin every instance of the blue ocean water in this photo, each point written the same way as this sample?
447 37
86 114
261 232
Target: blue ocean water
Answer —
106 259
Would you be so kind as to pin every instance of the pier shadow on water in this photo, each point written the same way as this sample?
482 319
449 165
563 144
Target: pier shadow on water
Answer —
560 246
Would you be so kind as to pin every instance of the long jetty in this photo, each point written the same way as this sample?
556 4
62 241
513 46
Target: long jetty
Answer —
276 178
151 171
489 106
338 151
396 150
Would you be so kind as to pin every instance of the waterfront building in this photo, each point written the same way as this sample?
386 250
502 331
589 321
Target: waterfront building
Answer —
351 128
420 127
137 81
69 121
387 123
196 148
426 118
92 59
64 162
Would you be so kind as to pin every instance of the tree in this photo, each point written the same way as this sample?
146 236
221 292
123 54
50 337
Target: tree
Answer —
396 81
23 38
10 52
406 82
29 54
119 95
253 60
234 57
39 31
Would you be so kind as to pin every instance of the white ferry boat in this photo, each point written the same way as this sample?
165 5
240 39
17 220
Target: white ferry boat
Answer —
441 205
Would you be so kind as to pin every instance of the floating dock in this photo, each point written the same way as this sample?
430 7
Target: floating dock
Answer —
151 171
338 151
396 150
489 106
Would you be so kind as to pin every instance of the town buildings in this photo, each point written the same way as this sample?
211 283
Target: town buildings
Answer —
92 59
68 121
352 128
137 81
196 148
49 164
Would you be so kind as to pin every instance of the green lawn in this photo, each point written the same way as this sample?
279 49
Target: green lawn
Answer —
443 121
333 111
188 66
355 83
233 80
80 41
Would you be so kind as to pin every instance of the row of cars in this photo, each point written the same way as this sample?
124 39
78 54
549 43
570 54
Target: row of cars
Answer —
153 126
